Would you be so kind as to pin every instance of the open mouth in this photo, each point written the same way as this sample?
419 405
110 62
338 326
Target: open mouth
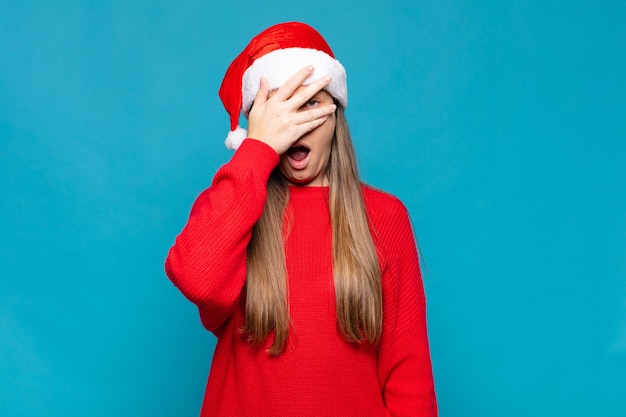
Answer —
298 153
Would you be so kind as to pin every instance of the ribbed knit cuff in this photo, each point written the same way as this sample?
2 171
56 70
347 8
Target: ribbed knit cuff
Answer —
256 155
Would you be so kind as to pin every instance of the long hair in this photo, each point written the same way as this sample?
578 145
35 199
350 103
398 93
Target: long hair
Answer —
356 271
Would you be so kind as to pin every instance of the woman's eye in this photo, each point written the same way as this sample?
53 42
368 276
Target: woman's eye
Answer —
312 103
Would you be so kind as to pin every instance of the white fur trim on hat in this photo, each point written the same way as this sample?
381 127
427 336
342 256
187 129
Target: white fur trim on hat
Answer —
280 65
235 138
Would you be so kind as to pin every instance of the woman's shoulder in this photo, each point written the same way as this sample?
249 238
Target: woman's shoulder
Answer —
390 223
379 202
387 214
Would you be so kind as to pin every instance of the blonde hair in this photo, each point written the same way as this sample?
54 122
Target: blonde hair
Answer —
356 271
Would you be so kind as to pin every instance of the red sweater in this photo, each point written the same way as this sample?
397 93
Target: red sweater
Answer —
320 373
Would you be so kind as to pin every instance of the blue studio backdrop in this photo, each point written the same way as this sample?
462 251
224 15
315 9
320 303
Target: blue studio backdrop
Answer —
500 124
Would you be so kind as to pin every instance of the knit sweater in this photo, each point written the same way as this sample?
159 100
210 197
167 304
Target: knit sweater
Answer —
320 373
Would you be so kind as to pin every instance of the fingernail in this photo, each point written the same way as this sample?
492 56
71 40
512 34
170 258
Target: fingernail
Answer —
309 68
326 78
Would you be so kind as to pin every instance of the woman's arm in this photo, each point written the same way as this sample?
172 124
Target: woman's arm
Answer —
208 260
404 364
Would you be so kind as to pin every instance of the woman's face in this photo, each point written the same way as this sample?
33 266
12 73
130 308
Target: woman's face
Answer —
305 162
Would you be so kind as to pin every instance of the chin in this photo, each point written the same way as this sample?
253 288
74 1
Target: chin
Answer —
300 181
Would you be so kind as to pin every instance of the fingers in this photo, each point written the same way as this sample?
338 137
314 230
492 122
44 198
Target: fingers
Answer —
311 115
287 90
280 118
261 95
305 94
309 120
306 127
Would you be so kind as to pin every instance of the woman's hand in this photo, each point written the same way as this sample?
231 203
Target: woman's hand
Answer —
277 121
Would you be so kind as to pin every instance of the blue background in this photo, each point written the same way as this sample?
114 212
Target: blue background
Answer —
500 124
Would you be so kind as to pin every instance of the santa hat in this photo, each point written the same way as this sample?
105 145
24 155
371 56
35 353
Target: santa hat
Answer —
277 54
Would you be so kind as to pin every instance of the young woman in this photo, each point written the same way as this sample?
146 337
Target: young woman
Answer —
308 278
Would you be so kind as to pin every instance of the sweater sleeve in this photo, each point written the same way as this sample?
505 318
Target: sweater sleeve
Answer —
207 262
404 364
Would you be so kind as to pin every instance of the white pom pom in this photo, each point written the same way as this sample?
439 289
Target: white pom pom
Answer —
235 137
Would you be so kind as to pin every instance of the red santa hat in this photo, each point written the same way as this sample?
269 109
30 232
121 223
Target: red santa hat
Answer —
277 54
